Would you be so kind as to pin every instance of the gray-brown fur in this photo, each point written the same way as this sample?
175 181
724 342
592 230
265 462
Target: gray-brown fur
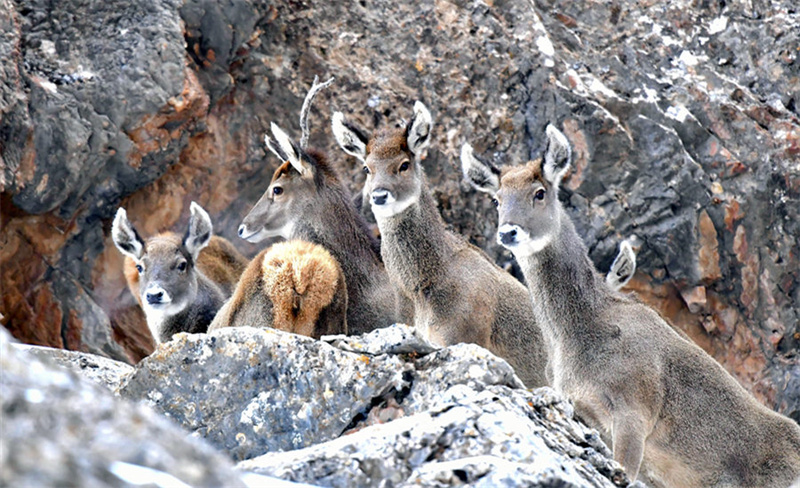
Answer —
459 294
294 286
664 404
315 206
179 281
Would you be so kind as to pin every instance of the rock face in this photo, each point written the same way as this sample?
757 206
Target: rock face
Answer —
683 118
62 430
457 414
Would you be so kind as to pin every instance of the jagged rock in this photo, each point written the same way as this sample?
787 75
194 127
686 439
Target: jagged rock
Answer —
391 340
256 392
683 118
250 391
98 369
500 437
461 423
63 430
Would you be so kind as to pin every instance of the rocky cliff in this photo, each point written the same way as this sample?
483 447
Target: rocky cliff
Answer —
683 116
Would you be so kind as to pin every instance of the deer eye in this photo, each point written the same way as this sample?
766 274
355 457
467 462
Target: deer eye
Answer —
366 169
495 202
139 268
539 195
182 266
404 166
277 191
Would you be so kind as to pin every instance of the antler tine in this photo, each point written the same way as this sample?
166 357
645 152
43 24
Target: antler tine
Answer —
315 88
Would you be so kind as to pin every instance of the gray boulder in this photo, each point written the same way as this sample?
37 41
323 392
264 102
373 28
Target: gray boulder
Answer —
98 369
497 437
414 413
251 391
63 430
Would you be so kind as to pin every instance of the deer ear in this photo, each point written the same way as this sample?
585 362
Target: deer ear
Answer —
418 134
125 236
350 138
481 175
199 232
623 267
557 155
283 147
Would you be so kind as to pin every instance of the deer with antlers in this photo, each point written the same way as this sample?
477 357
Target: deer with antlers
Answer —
307 200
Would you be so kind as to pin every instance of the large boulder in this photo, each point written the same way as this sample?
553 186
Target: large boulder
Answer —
497 437
63 430
415 414
683 117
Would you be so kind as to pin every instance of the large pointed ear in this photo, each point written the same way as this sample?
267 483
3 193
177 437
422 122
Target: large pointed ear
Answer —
419 129
125 236
481 175
623 267
350 138
282 146
199 232
557 155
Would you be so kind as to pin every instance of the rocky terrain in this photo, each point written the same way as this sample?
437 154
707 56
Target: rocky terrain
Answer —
683 116
291 408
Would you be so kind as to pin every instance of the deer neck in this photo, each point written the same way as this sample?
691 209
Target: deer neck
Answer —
198 313
334 224
414 243
566 291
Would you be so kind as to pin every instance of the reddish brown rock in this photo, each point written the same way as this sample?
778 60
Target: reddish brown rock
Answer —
708 255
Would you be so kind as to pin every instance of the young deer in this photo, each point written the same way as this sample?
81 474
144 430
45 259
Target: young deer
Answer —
459 294
180 281
306 200
293 286
664 403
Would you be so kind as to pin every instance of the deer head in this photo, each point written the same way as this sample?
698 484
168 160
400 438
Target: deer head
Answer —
526 196
294 183
391 160
289 194
166 263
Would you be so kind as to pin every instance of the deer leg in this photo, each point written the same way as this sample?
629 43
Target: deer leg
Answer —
628 435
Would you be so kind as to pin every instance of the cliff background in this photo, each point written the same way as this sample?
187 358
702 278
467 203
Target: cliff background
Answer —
683 118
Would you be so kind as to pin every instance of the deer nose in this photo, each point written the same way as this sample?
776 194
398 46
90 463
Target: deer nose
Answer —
507 234
155 298
380 196
508 237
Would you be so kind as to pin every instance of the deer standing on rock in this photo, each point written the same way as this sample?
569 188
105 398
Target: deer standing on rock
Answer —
179 281
459 294
663 403
306 200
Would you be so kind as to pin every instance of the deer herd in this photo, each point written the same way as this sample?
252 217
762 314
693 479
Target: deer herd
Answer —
673 416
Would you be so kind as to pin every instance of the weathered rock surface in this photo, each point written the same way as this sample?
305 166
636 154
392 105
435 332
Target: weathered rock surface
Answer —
250 391
683 117
420 415
498 437
103 371
63 430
